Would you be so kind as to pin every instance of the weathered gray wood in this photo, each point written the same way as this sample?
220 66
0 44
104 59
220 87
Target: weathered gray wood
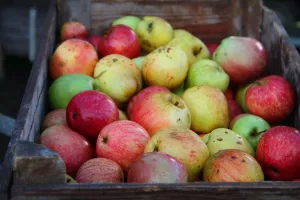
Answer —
283 58
34 164
199 190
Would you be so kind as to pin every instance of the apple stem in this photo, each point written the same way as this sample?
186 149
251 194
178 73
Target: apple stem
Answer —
176 103
155 149
105 140
150 27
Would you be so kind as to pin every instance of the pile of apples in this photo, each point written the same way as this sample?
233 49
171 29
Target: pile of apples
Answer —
149 103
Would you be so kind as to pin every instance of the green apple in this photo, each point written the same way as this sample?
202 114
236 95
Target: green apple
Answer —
131 21
139 62
122 115
183 144
250 126
165 66
208 107
118 77
62 90
178 91
223 138
207 72
240 97
154 32
204 53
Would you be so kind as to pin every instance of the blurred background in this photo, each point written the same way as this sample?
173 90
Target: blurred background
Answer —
21 27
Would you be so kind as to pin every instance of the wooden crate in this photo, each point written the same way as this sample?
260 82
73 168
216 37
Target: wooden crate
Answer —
31 172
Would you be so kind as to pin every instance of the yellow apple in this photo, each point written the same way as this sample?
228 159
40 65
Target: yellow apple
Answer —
154 32
165 66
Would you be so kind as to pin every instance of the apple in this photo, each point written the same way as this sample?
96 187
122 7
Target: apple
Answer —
212 48
271 98
100 170
122 115
207 72
123 142
157 167
249 126
95 40
118 77
240 96
278 152
165 66
232 165
54 117
120 39
129 20
64 88
159 110
135 100
183 144
229 94
244 59
154 32
208 107
223 138
90 111
234 108
73 29
72 147
139 61
195 43
73 56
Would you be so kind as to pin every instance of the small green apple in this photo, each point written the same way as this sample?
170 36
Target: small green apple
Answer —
183 144
250 126
62 90
131 21
139 62
154 32
207 72
118 77
165 66
208 107
240 97
223 138
178 91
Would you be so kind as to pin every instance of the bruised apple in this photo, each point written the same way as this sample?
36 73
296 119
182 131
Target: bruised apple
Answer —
73 56
232 165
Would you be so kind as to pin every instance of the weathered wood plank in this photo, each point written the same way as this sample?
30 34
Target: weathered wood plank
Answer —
34 164
283 58
34 104
200 190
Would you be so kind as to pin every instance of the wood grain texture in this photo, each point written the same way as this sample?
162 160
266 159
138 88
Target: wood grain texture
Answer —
200 190
34 104
208 20
283 58
34 164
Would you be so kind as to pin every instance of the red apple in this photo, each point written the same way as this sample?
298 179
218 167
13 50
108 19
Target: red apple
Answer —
89 111
229 94
234 108
55 117
73 29
212 48
278 152
135 100
95 40
120 39
99 170
271 98
73 56
244 59
122 141
159 110
73 148
157 167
